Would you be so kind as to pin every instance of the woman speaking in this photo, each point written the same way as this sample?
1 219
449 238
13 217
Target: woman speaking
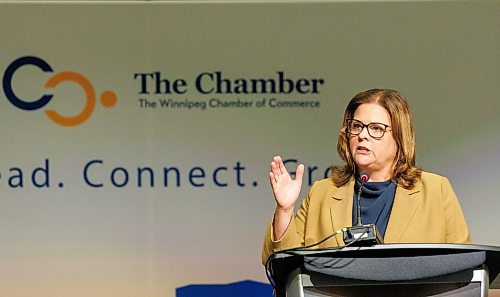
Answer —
406 204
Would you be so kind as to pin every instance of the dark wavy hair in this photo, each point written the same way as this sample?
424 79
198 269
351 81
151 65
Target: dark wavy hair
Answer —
404 171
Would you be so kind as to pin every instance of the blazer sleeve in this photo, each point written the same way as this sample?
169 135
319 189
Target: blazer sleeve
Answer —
294 234
456 226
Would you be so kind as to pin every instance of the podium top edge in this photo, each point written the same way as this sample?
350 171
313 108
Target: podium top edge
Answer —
443 247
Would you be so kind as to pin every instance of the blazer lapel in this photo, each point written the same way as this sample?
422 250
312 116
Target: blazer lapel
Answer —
405 204
341 208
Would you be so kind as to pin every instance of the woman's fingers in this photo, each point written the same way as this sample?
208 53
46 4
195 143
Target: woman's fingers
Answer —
272 180
299 173
285 189
277 167
281 166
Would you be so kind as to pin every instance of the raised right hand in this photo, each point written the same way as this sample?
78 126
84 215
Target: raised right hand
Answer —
285 189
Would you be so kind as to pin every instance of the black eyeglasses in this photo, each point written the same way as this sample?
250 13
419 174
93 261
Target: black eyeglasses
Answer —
375 130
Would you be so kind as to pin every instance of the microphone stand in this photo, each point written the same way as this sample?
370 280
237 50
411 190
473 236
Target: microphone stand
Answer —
362 235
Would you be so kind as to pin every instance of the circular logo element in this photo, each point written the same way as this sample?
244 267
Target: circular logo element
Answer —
108 98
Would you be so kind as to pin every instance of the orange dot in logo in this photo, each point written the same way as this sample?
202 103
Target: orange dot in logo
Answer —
108 98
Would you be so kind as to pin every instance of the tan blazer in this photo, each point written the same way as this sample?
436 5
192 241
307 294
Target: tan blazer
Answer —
429 213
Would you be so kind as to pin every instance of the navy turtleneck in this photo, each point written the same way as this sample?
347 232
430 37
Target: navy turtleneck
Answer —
376 203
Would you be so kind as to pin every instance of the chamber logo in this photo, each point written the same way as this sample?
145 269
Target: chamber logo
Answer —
107 98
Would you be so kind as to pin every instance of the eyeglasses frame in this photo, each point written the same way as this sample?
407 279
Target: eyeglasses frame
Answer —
367 129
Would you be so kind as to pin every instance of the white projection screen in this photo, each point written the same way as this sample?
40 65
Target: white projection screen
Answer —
137 136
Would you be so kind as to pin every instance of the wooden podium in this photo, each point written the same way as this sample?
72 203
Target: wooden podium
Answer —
387 270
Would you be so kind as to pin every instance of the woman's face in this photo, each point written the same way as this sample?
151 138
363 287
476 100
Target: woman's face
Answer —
376 155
